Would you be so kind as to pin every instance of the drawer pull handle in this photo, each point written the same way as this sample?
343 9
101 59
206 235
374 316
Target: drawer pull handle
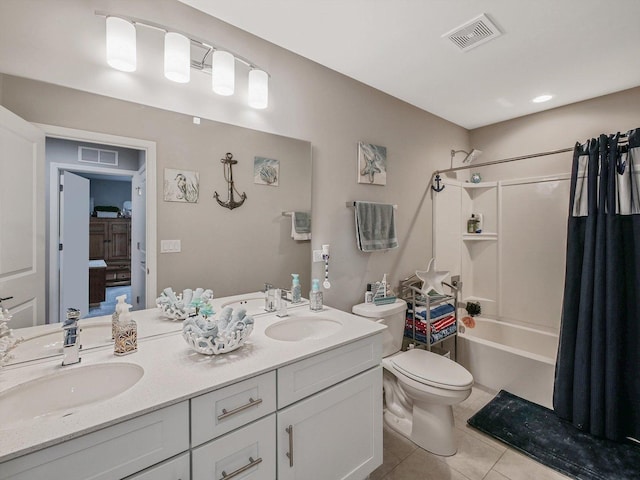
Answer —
289 430
252 463
252 403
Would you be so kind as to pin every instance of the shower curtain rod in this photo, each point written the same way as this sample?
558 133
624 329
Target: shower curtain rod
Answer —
504 160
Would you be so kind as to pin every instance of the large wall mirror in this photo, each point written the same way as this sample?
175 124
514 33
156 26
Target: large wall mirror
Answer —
231 251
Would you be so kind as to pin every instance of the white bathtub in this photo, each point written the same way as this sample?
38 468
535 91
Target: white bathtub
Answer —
504 356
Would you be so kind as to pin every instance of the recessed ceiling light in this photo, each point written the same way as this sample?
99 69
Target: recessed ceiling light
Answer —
542 98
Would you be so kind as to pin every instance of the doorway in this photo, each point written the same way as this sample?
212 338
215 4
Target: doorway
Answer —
138 268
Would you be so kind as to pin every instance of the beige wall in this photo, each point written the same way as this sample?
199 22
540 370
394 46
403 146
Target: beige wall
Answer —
553 130
307 101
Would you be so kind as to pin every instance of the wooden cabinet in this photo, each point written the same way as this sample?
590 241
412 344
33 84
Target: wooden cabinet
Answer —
110 240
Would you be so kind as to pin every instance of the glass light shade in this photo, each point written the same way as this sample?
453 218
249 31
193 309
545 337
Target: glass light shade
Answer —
121 44
258 89
223 72
177 57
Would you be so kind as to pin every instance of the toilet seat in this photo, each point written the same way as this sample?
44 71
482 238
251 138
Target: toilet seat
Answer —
431 369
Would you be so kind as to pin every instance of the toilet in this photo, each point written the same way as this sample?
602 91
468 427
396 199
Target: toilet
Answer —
420 387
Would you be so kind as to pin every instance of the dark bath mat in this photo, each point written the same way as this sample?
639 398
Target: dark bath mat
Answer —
537 432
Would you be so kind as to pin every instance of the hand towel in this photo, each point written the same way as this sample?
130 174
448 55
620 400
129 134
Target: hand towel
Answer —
301 226
375 226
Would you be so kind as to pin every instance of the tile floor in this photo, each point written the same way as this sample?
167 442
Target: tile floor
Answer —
479 456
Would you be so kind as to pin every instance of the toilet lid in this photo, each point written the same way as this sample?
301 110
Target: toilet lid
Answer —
432 369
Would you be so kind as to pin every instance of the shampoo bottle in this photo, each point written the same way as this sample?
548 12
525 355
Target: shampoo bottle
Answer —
126 335
479 223
296 289
315 296
471 224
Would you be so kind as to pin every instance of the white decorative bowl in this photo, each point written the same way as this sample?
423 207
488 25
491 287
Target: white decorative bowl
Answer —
222 343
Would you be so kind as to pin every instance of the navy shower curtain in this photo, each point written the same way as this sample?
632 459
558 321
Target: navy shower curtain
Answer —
597 378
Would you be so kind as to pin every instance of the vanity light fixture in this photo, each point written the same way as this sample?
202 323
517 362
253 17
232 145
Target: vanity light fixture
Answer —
183 52
121 44
177 57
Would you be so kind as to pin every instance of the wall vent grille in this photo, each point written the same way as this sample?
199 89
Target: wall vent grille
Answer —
473 33
98 155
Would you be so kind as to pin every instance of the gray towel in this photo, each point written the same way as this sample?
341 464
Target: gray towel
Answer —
375 226
301 226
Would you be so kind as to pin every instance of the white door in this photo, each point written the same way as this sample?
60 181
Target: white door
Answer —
138 240
74 241
22 220
335 434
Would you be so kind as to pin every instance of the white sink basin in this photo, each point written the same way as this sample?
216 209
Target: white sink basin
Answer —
303 328
252 305
50 343
61 394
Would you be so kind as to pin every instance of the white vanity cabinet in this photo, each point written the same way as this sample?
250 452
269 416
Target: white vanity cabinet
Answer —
335 434
112 453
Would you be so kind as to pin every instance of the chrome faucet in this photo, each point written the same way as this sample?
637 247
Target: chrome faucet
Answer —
269 298
71 338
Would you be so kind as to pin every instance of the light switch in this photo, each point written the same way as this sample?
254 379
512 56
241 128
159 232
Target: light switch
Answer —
317 256
170 246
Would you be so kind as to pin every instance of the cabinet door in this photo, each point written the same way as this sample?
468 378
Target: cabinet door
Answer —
119 240
97 240
335 434
248 453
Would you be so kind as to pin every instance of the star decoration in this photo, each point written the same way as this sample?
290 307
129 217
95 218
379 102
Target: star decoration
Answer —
370 168
431 279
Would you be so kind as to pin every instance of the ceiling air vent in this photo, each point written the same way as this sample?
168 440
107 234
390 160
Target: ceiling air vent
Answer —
98 155
473 33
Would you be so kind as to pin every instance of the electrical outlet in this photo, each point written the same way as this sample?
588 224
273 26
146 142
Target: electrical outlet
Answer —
170 246
317 256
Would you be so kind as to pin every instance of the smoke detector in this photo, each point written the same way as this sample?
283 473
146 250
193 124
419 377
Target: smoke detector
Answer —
473 33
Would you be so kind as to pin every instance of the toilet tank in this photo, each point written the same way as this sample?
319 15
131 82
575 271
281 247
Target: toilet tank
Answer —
393 315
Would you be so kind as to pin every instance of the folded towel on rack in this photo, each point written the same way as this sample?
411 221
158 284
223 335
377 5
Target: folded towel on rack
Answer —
301 225
434 337
375 226
442 324
436 312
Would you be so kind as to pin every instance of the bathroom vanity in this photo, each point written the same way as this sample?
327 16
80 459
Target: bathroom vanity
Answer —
305 407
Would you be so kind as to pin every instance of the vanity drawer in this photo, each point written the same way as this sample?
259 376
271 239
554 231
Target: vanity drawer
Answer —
306 377
175 469
111 453
216 413
249 452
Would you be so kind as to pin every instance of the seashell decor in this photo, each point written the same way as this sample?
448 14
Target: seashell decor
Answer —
180 306
213 336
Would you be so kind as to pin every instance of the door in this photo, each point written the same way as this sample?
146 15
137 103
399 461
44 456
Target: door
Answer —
22 220
74 241
138 240
334 434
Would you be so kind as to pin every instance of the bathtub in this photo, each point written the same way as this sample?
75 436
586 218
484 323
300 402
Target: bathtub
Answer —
504 356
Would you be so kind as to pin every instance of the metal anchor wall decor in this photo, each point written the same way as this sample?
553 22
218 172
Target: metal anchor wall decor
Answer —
231 203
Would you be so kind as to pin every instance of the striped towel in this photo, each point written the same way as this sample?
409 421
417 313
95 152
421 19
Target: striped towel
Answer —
442 324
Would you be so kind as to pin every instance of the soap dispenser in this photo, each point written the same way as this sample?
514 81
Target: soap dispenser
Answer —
126 334
120 307
315 296
296 289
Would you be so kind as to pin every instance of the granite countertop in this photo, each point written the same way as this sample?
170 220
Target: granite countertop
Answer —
172 373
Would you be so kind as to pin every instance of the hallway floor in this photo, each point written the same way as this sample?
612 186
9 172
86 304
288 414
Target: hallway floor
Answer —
479 456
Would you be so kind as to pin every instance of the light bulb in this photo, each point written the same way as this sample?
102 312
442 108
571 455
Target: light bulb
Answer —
121 44
177 57
223 71
258 89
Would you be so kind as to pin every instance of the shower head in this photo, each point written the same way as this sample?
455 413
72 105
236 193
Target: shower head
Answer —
472 156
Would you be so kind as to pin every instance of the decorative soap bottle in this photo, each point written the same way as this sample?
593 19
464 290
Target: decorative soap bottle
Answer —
315 296
296 289
120 307
126 335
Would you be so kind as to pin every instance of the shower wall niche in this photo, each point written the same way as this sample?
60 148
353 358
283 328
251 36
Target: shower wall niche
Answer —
515 267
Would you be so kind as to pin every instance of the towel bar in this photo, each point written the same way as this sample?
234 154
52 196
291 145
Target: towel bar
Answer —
353 204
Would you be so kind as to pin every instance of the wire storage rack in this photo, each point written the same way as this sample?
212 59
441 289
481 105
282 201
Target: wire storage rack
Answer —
430 319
